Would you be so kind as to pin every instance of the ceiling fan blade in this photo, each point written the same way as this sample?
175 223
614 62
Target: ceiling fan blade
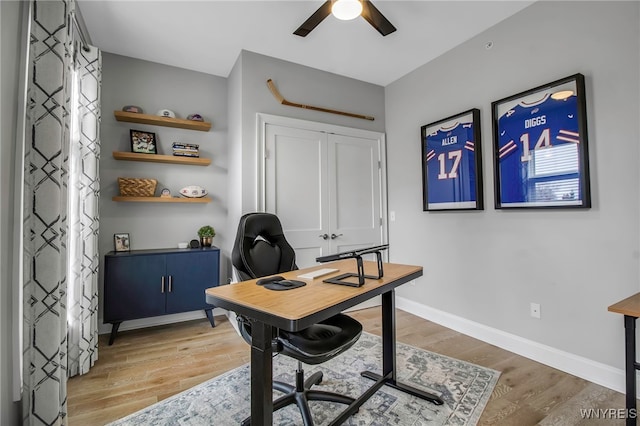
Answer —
313 21
376 19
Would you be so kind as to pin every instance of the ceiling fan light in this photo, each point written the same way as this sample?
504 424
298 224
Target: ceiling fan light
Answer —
346 10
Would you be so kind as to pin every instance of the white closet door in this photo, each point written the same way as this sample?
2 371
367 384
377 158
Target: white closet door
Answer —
296 186
354 185
325 188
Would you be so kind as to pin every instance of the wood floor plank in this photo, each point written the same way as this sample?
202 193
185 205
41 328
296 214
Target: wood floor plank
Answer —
148 365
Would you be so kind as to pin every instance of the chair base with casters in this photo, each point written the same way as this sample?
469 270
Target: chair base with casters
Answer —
301 394
339 332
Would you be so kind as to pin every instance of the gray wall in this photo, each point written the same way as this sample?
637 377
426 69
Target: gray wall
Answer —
10 18
488 266
154 86
300 84
235 149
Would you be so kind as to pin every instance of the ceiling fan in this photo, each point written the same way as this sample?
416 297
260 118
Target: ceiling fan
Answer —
351 9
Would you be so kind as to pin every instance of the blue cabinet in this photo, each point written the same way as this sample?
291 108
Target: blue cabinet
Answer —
148 283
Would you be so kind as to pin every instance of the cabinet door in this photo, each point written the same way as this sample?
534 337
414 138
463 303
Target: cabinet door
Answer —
190 274
133 287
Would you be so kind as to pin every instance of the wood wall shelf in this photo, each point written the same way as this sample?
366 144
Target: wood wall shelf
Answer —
133 117
202 200
157 158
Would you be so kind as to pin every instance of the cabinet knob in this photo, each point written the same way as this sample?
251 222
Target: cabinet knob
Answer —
170 283
162 284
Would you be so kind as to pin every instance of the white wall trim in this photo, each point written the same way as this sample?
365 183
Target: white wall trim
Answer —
596 372
105 328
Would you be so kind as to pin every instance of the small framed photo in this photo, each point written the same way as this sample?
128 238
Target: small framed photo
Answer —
121 242
143 142
452 163
540 147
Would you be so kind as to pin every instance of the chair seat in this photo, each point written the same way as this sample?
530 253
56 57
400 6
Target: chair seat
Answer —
322 341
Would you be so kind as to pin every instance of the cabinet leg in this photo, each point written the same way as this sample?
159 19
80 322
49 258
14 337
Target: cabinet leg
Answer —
114 330
209 313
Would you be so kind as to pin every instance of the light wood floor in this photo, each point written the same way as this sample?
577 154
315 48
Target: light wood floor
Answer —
145 366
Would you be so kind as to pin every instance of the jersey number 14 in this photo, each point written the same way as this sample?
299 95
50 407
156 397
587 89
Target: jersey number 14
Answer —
544 141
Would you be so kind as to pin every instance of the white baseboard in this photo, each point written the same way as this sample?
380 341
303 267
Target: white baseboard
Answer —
155 321
596 372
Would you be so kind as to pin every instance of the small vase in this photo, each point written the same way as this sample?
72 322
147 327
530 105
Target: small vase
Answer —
206 241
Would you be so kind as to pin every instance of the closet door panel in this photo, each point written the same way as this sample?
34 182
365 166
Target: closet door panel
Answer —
296 186
326 188
354 182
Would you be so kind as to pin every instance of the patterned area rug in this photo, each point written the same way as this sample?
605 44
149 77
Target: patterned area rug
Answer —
224 400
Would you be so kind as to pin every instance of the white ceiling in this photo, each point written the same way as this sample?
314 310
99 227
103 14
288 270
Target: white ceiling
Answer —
207 36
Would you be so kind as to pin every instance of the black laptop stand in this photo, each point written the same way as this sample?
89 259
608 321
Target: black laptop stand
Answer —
357 254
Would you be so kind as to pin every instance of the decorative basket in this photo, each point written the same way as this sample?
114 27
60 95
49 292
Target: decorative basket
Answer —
137 187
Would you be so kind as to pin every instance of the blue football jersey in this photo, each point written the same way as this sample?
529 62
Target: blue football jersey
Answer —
534 164
450 163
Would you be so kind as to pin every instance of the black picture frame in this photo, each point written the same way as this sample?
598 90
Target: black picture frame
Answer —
143 142
121 242
452 163
540 146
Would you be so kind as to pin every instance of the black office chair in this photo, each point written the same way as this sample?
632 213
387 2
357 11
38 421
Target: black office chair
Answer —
260 249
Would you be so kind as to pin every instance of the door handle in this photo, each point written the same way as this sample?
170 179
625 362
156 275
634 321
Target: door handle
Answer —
334 236
324 236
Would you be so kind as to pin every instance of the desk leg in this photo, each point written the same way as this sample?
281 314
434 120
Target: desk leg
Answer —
630 367
389 334
261 374
389 352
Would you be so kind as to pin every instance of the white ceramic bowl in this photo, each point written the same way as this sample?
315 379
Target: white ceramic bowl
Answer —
183 245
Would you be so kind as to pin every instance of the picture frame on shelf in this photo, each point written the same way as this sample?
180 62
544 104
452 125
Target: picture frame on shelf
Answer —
452 163
121 242
143 142
540 146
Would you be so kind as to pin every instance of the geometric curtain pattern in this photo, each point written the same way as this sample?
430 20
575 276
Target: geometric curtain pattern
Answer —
47 243
83 217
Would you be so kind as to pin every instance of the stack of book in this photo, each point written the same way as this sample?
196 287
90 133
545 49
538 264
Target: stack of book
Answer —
186 149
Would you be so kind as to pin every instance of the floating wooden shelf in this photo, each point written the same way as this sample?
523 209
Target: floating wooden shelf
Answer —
157 158
161 199
133 117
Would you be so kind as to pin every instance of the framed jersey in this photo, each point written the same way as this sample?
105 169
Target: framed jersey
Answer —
452 163
540 147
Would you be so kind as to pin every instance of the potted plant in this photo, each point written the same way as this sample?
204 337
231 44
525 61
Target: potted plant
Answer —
206 234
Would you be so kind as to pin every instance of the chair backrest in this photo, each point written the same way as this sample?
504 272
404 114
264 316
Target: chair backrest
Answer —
260 248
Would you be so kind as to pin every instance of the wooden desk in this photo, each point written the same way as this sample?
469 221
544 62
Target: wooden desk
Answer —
630 308
297 309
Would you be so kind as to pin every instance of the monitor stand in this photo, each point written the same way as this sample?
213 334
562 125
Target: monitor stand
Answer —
340 279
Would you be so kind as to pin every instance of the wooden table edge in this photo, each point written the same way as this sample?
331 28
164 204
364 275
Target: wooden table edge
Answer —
629 306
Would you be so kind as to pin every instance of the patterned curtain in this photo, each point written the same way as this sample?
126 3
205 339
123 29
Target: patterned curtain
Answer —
61 190
83 217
